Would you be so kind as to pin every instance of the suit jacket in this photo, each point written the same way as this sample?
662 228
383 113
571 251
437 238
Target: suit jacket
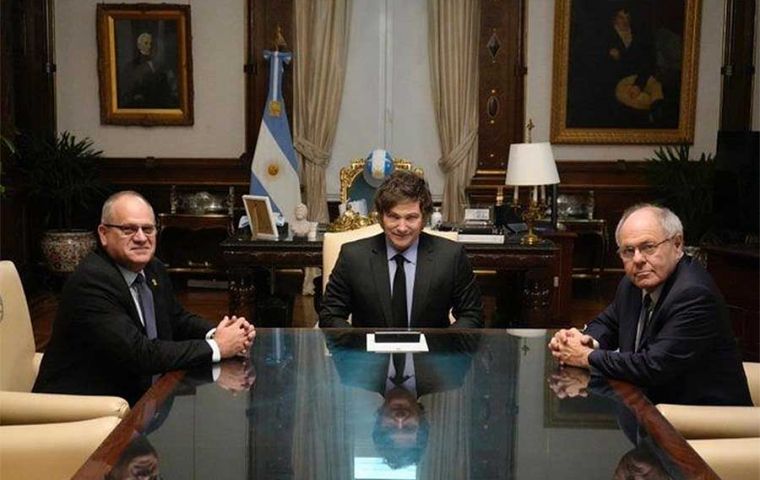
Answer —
99 345
688 354
360 286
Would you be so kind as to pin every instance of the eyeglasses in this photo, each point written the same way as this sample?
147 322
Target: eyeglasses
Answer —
129 230
645 250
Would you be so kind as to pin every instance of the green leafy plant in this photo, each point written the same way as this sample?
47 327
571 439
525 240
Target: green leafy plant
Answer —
61 175
685 186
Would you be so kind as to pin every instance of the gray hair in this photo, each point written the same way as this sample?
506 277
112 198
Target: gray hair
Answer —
105 214
669 221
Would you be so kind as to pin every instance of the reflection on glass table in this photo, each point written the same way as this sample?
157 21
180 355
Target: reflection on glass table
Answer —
480 405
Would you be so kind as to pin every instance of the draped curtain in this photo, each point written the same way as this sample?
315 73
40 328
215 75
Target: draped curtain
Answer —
450 416
453 32
322 443
321 48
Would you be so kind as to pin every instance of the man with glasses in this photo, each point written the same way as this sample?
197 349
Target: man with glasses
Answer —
119 323
667 329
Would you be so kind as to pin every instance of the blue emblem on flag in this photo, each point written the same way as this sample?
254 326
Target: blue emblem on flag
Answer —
274 169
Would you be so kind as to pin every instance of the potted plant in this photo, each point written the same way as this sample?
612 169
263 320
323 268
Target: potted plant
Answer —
686 187
61 177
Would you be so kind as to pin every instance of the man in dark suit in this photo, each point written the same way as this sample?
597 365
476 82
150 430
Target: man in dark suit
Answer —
119 322
402 278
667 329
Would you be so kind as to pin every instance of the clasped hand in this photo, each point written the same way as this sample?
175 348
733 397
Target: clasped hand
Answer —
570 382
236 375
571 347
234 336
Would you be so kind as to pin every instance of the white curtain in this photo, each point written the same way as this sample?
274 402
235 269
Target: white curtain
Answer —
322 444
450 416
454 28
321 38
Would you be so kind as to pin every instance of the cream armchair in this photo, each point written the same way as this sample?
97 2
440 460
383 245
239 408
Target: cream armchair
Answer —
731 458
708 422
19 365
51 451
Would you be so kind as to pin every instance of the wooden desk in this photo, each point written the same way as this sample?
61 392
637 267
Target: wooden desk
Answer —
488 414
187 243
736 270
590 246
542 291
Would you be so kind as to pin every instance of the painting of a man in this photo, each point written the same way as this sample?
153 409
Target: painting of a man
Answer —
147 64
625 63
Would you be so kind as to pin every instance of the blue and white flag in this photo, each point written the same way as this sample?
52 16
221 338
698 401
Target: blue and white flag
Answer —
274 169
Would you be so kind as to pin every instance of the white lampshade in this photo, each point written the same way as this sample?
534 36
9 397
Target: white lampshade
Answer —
531 164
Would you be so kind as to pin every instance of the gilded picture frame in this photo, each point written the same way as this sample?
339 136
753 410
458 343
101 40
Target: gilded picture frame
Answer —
625 72
145 67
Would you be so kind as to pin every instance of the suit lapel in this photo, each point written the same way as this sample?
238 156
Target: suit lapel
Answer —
158 305
661 300
378 263
425 257
124 290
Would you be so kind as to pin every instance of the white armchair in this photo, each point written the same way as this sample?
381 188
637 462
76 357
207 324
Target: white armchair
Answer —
19 365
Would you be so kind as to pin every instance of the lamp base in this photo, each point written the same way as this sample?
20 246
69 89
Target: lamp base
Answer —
529 238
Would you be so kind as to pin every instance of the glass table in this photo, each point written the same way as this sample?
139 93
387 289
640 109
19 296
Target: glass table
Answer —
479 404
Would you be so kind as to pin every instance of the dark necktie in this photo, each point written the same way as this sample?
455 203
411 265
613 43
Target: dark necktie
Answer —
398 299
146 303
399 363
646 312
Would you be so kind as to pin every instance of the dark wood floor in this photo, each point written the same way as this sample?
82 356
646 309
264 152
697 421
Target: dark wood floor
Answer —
589 298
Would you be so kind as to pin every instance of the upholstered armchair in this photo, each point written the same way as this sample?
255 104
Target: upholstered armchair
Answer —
50 451
19 365
731 458
709 422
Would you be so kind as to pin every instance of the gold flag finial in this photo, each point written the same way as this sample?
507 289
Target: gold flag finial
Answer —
279 40
530 126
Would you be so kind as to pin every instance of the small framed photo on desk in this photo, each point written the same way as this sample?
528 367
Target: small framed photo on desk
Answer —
260 217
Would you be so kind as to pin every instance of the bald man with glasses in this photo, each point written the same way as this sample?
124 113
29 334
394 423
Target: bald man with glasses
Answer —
667 329
119 323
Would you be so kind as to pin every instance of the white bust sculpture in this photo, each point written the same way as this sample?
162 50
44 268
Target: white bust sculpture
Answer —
300 225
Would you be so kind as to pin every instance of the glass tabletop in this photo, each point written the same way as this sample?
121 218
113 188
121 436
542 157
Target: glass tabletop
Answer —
486 404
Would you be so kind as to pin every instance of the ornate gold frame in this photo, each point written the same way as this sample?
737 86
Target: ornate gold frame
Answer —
684 133
110 111
349 173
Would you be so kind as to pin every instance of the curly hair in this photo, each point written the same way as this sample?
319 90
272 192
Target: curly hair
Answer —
403 186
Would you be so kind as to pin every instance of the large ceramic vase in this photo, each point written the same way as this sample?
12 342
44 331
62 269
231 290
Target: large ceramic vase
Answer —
64 249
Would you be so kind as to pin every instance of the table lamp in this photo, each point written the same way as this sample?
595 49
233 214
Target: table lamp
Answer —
531 164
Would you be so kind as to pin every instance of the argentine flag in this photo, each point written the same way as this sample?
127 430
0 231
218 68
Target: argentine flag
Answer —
274 169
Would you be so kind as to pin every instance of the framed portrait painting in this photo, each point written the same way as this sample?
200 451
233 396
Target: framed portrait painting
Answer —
624 71
145 64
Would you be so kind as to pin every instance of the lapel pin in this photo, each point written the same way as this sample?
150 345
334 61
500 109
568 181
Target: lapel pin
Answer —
155 283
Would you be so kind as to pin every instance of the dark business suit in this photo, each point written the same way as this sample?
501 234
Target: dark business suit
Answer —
99 345
688 354
360 286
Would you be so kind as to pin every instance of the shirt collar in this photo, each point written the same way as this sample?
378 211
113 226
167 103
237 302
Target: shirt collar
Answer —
654 294
129 275
410 254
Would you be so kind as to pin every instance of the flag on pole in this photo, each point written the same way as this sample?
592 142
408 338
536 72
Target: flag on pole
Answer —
274 169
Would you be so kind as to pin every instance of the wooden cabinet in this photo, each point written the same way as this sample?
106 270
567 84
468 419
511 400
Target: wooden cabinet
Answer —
735 270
